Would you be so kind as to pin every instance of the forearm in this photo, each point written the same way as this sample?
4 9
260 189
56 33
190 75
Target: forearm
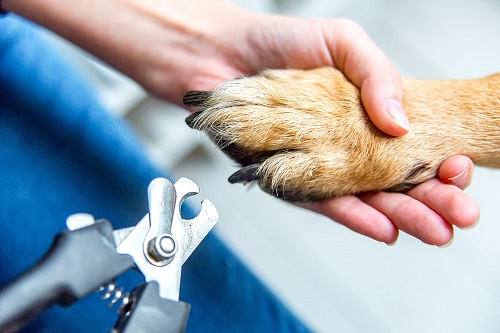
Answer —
153 42
101 27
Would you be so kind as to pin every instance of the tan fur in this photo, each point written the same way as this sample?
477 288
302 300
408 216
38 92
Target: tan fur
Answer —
312 139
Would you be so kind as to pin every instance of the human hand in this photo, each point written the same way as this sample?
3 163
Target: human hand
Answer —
171 47
428 211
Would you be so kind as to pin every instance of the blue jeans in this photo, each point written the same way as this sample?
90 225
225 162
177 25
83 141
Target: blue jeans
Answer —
61 153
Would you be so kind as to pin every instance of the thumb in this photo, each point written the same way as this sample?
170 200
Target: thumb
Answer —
381 95
364 63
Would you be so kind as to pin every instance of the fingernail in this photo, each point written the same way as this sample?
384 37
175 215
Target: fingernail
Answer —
393 243
459 179
447 244
395 110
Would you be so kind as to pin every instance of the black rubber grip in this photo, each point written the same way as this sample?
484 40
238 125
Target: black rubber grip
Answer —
78 263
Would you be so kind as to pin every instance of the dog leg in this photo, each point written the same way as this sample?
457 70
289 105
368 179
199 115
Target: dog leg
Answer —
303 135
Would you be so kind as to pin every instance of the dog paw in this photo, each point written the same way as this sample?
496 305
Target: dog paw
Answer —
303 135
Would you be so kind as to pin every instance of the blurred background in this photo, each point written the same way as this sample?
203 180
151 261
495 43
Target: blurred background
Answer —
330 277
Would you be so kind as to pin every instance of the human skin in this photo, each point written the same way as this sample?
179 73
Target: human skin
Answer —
171 47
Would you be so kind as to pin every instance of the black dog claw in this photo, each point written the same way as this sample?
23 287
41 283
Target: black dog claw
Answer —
196 98
245 175
191 119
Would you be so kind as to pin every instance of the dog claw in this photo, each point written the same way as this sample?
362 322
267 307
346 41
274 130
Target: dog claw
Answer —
191 119
245 175
196 98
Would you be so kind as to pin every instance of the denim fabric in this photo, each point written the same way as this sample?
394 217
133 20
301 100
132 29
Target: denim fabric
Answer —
61 153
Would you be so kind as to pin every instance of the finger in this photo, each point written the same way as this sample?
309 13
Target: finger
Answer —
411 216
364 63
357 216
457 170
450 202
